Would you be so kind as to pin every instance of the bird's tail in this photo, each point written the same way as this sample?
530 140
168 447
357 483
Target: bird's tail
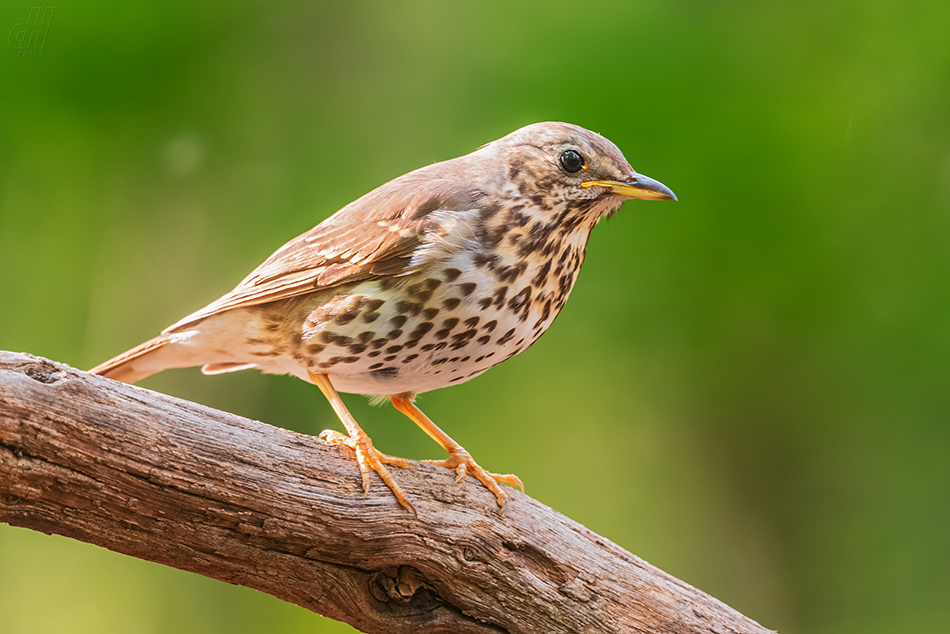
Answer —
139 362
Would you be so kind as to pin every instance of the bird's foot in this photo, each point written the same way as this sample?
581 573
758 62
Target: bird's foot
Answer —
368 458
462 462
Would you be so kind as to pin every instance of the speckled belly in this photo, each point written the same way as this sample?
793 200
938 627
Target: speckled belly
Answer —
417 333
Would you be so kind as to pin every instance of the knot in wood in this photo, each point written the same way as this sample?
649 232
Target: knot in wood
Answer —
402 585
44 372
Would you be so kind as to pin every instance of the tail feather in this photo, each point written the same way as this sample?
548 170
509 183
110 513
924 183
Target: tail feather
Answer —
135 364
228 366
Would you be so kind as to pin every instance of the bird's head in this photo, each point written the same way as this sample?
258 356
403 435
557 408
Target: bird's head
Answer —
554 165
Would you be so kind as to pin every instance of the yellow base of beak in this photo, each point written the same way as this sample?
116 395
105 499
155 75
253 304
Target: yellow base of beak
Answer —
640 186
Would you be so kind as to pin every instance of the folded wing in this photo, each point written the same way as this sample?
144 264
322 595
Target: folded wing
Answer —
373 236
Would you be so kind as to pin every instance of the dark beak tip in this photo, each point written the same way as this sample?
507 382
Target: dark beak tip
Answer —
640 181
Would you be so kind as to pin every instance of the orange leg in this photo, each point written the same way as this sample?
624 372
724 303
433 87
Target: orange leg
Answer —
458 459
366 455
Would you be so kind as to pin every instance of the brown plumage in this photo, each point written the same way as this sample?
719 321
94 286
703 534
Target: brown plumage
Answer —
426 281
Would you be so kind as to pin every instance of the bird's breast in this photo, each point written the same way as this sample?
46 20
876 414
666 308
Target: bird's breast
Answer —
445 323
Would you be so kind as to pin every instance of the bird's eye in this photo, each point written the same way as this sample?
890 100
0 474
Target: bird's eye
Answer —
571 161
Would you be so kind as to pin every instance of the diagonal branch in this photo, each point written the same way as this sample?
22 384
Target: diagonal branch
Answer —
174 482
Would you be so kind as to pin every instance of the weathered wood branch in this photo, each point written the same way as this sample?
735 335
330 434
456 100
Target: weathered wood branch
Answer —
174 482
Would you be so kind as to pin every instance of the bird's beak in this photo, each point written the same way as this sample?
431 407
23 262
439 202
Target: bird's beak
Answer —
639 186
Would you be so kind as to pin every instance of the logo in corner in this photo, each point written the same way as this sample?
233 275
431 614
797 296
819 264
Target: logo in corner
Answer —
29 37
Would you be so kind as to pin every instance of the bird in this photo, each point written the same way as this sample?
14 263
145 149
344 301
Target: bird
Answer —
425 282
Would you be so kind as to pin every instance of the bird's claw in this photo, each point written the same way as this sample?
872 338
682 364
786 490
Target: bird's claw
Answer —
368 457
461 461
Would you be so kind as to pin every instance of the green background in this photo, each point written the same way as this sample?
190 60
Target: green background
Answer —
748 388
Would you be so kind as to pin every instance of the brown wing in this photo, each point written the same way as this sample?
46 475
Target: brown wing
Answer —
374 235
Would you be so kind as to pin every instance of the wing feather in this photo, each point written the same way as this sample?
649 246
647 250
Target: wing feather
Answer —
373 236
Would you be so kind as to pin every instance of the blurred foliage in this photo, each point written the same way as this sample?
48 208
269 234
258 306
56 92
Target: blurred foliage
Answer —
748 388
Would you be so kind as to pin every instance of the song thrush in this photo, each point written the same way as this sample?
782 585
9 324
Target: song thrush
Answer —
424 282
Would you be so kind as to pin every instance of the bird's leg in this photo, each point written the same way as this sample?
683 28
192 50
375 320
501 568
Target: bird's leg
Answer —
458 459
366 455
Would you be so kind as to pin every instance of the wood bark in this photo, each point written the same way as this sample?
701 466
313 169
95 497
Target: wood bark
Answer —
175 482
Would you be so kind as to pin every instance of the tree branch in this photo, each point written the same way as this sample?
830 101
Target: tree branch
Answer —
170 481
